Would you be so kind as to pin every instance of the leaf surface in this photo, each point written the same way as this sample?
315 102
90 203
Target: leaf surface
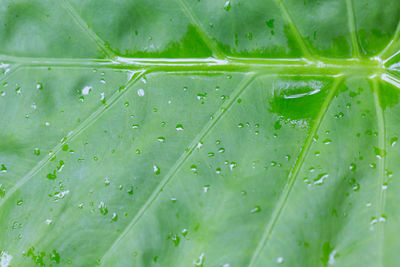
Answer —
199 133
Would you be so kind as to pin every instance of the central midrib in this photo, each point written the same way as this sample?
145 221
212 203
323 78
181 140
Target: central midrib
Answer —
367 66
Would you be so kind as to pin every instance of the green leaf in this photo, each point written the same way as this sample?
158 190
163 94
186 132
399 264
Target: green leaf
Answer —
199 133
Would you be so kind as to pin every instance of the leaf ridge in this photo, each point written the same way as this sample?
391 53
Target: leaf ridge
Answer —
84 26
295 30
351 20
199 27
280 206
71 135
181 160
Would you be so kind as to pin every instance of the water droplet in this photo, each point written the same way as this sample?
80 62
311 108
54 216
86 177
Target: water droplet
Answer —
201 97
380 153
256 209
355 187
320 179
86 90
372 165
140 92
279 260
240 125
130 190
227 5
393 141
175 239
205 188
179 127
339 115
184 232
270 23
60 166
51 176
327 141
156 169
332 257
135 126
161 139
65 147
107 181
199 145
221 150
232 165
103 208
114 217
3 168
18 90
20 202
193 168
200 261
352 167
211 154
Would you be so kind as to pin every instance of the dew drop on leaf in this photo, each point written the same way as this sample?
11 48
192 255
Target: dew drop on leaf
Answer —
156 169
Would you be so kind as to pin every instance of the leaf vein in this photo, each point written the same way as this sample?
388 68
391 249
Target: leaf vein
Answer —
304 48
71 135
200 29
280 206
84 26
181 160
351 20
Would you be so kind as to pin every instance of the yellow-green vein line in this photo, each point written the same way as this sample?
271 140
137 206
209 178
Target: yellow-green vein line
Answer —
280 206
351 20
199 27
84 26
181 160
71 136
295 31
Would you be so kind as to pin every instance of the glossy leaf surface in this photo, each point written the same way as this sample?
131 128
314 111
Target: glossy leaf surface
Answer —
199 133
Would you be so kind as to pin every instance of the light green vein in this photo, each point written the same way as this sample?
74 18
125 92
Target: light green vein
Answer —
181 160
84 26
280 206
210 43
295 31
71 135
351 20
381 171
